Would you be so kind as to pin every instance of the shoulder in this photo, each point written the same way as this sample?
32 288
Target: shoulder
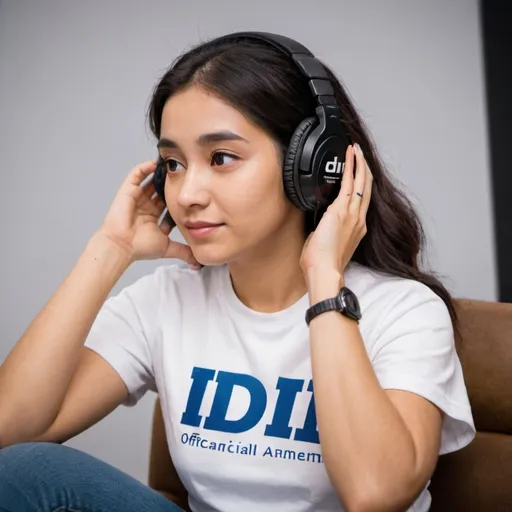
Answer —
386 289
389 301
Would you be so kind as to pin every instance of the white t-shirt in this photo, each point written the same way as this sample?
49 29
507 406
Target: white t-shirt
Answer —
235 384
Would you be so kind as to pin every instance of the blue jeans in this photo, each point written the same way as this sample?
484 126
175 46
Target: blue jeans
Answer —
49 477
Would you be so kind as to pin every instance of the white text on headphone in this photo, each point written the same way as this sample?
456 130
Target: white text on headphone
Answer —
334 167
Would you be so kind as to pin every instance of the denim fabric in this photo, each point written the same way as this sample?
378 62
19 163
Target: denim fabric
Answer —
49 477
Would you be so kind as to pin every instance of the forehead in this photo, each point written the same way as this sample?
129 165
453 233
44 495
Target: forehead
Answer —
196 111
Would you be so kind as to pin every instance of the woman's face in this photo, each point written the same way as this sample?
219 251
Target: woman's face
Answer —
224 180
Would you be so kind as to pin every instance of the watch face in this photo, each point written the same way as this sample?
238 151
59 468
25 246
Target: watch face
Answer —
351 304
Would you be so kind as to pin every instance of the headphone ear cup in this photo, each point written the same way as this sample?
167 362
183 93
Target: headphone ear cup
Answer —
292 159
159 180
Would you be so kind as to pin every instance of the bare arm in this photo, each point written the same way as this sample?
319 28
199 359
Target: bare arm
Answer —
51 386
36 375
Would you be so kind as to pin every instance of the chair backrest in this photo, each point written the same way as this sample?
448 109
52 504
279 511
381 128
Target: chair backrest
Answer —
477 478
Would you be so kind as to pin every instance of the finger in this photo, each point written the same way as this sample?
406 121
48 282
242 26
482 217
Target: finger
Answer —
165 227
359 180
181 251
158 202
141 172
153 206
151 203
347 180
308 239
367 194
167 219
148 186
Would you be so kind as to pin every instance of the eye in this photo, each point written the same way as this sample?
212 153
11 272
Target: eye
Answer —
219 158
171 165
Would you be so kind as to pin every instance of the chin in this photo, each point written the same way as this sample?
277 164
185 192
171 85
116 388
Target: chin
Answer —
216 254
212 256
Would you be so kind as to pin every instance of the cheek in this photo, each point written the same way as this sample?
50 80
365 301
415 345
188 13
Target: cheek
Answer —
171 195
257 204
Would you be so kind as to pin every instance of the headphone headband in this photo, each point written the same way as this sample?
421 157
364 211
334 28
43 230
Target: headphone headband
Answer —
311 68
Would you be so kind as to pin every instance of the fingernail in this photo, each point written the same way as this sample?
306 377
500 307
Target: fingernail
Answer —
357 148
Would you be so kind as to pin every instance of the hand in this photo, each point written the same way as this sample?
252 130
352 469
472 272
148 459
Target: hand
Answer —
329 248
132 221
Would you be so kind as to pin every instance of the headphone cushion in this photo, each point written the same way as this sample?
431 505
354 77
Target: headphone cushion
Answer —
292 158
159 181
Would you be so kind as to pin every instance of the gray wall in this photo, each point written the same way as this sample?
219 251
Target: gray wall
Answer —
75 79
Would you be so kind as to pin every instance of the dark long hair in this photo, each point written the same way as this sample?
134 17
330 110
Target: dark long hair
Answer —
269 90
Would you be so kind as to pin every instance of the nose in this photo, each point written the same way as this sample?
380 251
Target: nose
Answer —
194 188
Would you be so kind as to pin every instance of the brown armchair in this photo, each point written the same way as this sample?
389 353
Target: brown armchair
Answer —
477 478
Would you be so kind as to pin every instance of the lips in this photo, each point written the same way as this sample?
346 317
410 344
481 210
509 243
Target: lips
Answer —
201 229
201 224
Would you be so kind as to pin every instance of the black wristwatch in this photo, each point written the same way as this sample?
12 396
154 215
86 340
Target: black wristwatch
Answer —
345 303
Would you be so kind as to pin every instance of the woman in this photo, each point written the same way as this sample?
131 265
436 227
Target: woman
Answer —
225 341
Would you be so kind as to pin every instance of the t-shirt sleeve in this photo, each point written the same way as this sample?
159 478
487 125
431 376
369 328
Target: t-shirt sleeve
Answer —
415 351
123 333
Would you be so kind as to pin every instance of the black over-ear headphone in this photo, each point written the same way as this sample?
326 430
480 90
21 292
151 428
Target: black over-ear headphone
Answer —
315 157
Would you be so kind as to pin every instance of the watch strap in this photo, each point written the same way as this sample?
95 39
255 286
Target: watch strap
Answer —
322 307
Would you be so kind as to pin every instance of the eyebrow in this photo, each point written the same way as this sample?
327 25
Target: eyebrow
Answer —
203 140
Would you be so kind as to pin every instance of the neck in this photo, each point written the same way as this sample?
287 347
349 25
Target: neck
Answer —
270 278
